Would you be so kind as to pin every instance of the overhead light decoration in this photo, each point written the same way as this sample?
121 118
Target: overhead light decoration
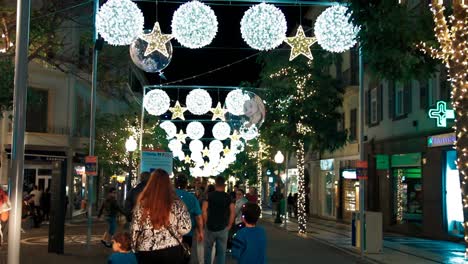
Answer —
198 102
235 101
178 111
195 130
235 136
248 133
156 41
300 44
175 145
194 25
263 27
181 136
237 146
216 146
156 102
218 112
170 128
221 130
196 146
333 30
119 22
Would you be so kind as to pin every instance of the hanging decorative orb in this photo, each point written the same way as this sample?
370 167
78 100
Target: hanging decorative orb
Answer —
198 102
216 146
197 157
194 25
119 22
195 130
170 128
235 101
175 145
248 133
156 102
263 27
221 130
237 146
196 146
333 30
154 62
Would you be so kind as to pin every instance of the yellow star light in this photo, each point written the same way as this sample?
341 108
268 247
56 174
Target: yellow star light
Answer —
181 136
178 111
226 151
300 44
156 41
187 159
218 112
205 152
235 136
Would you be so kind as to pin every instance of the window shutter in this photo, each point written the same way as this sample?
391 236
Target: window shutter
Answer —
407 97
366 107
379 103
391 99
423 94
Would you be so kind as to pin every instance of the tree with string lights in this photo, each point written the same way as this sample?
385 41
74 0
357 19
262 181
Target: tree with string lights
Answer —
452 50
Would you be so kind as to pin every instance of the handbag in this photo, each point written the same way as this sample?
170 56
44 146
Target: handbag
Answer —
187 254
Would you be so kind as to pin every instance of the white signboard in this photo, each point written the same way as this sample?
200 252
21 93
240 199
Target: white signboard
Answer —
151 160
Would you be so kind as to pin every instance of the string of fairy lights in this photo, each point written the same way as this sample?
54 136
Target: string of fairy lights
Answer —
453 52
400 201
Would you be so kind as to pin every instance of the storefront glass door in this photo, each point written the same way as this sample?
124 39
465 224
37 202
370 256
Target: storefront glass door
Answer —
453 198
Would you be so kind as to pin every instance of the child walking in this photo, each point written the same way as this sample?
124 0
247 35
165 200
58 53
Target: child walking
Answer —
249 243
122 250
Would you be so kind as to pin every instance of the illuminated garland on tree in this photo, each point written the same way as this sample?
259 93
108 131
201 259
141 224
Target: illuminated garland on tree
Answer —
400 205
259 176
453 52
301 188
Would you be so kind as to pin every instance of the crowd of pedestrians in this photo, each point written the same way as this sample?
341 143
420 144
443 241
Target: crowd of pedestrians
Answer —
169 224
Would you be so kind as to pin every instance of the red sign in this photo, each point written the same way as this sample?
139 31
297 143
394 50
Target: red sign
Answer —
362 164
361 169
91 165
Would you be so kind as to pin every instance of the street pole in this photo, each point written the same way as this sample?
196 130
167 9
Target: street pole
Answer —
19 124
361 151
130 176
92 125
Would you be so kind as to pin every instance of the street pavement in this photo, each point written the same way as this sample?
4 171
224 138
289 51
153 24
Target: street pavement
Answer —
282 247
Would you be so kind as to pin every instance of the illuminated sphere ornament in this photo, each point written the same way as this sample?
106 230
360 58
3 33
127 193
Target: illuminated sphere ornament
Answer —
154 62
235 102
195 130
196 146
248 133
333 30
194 25
263 27
170 128
119 22
156 102
216 146
198 102
221 130
175 145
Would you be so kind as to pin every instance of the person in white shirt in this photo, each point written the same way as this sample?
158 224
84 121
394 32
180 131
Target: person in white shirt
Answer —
37 200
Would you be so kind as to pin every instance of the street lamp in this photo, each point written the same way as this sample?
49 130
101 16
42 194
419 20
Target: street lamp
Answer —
131 146
279 158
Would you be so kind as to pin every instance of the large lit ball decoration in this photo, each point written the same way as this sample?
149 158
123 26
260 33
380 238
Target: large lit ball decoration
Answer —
156 102
235 101
333 30
196 146
237 146
197 157
155 62
194 25
198 102
175 145
221 130
119 22
263 27
195 130
248 133
216 146
170 128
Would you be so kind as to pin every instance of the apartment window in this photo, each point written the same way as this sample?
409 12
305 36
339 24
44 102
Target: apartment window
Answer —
427 93
36 111
353 124
373 106
399 103
341 123
399 99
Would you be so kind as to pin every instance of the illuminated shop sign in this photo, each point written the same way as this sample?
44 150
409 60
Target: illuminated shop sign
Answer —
326 165
441 114
349 174
441 140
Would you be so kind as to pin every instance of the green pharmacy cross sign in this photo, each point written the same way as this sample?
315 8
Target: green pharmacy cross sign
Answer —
441 113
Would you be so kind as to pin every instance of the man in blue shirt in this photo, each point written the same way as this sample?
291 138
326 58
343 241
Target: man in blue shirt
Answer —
193 207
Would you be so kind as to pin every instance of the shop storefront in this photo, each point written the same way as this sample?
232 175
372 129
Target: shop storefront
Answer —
327 188
349 191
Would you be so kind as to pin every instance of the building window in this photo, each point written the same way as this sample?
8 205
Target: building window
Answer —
36 112
354 60
399 103
374 106
427 93
400 99
353 125
341 123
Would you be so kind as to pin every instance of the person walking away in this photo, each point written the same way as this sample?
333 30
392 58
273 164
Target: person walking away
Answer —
132 195
252 196
193 207
218 215
290 205
121 245
110 208
296 198
238 223
274 202
159 221
249 244
45 204
37 216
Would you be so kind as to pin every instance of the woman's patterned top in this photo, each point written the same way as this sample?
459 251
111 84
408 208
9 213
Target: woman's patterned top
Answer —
146 238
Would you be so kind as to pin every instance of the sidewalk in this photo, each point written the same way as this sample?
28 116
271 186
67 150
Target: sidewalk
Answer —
396 248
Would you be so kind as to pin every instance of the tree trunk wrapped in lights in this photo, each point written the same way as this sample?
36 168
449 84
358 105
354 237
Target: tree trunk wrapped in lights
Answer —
301 203
453 52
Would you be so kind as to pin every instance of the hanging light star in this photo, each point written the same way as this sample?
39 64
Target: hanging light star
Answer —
218 112
187 159
206 152
300 44
178 111
226 151
156 41
235 136
181 136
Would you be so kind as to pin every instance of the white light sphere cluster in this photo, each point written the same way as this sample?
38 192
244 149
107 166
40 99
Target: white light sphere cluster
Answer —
119 22
248 133
194 25
235 102
195 130
198 102
196 146
221 130
156 102
170 128
333 30
216 146
263 27
175 145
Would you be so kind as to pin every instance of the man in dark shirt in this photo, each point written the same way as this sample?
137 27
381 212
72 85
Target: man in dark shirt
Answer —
218 215
132 195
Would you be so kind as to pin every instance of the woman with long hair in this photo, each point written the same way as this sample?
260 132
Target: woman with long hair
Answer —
159 221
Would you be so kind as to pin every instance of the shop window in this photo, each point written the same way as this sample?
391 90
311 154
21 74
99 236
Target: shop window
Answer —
453 197
408 194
